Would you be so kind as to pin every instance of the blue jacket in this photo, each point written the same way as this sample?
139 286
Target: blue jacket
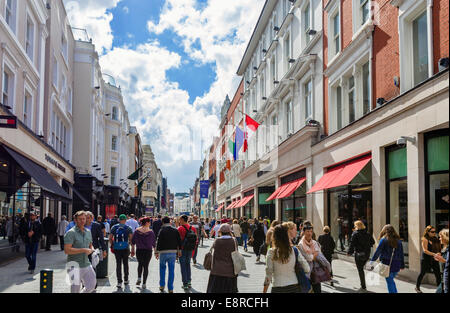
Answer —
384 253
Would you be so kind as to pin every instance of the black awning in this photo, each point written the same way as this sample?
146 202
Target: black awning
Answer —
79 195
39 174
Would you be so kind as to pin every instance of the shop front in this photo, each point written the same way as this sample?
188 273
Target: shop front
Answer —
32 177
437 178
348 188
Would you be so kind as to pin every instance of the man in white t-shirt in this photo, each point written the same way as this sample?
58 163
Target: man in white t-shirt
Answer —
132 223
216 228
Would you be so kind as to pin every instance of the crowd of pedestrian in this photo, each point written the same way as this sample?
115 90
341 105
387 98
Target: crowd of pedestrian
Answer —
295 261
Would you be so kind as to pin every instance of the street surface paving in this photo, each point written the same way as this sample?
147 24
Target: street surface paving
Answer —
15 279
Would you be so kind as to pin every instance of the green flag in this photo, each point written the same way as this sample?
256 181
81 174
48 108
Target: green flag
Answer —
231 146
139 186
135 175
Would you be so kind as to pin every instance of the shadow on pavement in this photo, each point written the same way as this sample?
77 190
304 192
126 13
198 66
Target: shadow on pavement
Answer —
244 275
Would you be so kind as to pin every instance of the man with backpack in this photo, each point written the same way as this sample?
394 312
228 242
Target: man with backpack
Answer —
188 235
120 238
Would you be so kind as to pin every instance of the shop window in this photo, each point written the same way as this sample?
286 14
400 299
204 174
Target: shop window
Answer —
294 207
350 203
437 178
397 193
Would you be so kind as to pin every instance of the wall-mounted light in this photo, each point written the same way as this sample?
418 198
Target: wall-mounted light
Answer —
264 50
276 28
97 87
291 61
380 101
311 32
107 114
264 98
255 68
276 82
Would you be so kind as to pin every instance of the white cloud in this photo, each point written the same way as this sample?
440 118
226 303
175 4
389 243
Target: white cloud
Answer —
177 130
93 16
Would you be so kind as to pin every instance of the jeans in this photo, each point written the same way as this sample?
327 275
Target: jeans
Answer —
245 239
143 257
122 257
185 265
392 288
238 241
30 253
86 276
170 259
61 242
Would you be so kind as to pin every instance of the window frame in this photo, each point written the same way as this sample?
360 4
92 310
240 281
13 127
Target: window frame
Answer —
114 143
30 45
13 14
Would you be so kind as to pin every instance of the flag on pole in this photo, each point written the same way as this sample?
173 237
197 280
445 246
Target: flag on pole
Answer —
239 138
251 126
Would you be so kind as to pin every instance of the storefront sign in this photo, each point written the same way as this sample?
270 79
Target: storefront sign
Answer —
49 159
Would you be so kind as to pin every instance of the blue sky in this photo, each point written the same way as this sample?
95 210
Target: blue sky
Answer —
129 27
175 61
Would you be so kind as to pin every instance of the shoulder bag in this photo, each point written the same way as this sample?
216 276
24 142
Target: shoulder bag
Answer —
319 272
384 270
207 261
303 281
238 260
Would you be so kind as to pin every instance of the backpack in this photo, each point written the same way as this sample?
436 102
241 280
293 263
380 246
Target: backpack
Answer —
190 240
121 238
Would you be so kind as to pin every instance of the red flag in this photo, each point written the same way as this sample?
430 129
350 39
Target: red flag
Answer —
251 123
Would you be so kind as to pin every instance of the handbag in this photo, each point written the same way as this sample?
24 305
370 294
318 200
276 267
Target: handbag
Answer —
384 270
207 261
238 260
303 281
263 249
319 273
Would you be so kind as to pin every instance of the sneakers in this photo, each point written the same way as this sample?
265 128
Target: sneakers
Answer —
418 290
185 287
144 286
258 259
170 291
126 282
194 261
138 282
189 284
31 271
161 289
119 285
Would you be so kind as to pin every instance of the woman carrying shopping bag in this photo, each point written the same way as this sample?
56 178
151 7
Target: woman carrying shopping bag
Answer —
390 253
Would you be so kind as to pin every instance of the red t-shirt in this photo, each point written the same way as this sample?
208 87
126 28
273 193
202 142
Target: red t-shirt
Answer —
183 229
224 221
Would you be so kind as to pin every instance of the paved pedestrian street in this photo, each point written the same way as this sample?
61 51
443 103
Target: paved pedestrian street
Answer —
15 278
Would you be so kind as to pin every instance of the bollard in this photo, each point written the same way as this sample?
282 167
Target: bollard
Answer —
46 281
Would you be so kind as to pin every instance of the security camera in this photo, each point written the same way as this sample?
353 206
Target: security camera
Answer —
404 139
401 142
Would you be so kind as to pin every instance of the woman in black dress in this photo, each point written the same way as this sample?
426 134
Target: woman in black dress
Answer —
258 238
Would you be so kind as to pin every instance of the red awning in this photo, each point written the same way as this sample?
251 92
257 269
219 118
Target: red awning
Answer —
276 193
231 206
220 208
244 201
341 175
291 188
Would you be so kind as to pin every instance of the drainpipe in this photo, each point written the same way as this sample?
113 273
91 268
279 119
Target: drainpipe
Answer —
430 38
